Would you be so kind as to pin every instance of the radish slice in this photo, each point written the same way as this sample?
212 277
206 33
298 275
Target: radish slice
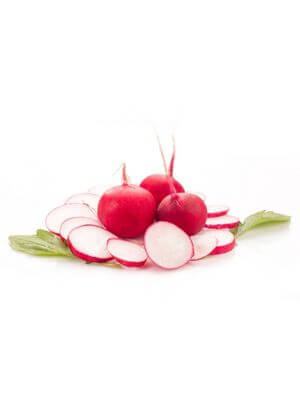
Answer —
90 199
216 211
127 253
224 222
69 224
225 240
204 243
168 246
88 242
57 216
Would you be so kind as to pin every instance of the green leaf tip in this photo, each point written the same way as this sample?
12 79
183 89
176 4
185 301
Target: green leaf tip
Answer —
43 243
260 218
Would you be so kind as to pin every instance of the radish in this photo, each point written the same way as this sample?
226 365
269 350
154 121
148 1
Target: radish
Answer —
69 224
204 243
88 242
90 199
216 211
127 253
187 211
225 240
224 222
126 210
57 216
168 246
161 185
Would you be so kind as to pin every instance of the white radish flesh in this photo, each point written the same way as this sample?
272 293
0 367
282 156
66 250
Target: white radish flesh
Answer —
69 224
224 222
216 210
225 240
57 216
204 243
168 246
90 199
88 242
127 253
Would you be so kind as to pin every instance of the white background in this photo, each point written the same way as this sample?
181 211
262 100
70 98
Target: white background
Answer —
81 85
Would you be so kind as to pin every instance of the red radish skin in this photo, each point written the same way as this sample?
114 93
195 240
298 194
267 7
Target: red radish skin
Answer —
159 186
204 243
127 210
57 216
88 242
187 211
71 223
90 199
127 253
224 222
168 246
216 211
162 185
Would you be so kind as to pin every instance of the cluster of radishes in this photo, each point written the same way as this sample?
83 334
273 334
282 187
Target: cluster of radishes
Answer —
156 221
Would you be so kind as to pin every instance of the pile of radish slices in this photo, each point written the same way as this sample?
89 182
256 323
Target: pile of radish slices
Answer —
156 221
163 244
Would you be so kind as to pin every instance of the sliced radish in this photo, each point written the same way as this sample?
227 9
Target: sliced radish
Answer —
88 242
225 240
69 224
204 243
127 253
216 211
57 216
90 199
224 222
167 245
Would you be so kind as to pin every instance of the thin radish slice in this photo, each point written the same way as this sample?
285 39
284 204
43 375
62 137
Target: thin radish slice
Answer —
225 240
69 224
88 242
57 216
224 222
90 199
204 243
127 253
216 211
138 240
168 246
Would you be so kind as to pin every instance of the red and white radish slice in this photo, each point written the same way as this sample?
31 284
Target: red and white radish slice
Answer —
90 199
225 240
127 253
168 246
204 243
69 224
216 211
224 222
57 216
88 242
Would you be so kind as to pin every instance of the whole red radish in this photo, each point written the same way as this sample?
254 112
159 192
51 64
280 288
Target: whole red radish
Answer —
160 185
126 210
187 211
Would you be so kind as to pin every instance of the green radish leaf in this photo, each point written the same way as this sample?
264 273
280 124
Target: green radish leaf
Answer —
260 218
42 244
